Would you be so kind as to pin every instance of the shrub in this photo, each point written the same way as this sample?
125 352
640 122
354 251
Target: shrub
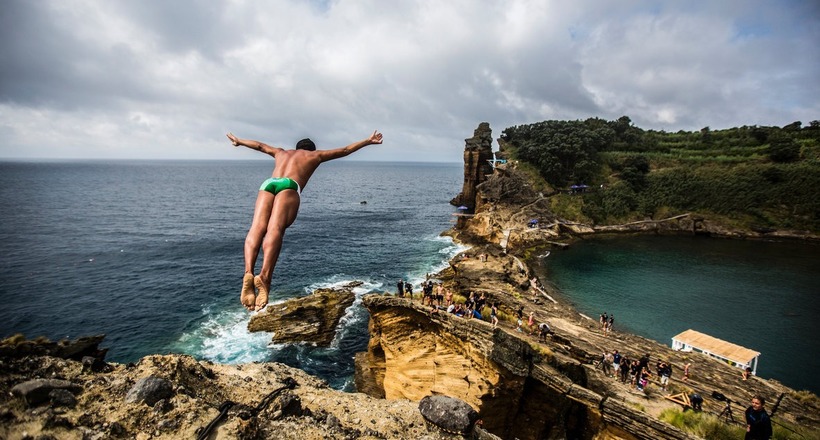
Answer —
701 424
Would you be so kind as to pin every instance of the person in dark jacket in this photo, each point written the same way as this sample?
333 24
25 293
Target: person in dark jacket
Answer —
758 423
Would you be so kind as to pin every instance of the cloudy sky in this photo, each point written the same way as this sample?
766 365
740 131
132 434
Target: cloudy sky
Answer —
167 79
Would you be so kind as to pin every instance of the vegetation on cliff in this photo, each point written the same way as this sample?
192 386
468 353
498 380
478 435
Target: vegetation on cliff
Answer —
750 177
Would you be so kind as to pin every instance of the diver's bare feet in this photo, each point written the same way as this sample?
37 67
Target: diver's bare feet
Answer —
248 296
262 295
234 139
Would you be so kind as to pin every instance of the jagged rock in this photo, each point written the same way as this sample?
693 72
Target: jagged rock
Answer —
116 429
61 397
150 390
478 151
448 413
313 411
311 318
91 363
288 404
480 433
17 347
37 391
162 406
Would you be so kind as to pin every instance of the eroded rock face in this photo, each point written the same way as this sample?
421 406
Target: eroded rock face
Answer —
478 151
311 318
517 391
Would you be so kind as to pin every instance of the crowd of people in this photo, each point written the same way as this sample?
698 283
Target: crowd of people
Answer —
635 371
440 298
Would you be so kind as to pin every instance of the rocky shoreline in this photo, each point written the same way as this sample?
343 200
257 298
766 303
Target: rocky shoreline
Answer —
47 397
524 388
505 383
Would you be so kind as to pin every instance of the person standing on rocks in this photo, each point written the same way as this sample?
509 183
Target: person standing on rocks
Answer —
400 288
686 369
277 204
626 365
758 423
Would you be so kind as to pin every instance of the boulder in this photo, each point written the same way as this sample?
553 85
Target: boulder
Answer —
62 397
448 413
150 390
37 391
311 318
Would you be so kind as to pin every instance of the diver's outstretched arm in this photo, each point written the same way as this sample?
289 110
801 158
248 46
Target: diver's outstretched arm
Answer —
254 145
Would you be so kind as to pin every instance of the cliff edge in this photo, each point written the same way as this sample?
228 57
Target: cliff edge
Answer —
524 386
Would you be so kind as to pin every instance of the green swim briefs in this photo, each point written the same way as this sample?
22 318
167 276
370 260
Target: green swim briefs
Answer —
275 185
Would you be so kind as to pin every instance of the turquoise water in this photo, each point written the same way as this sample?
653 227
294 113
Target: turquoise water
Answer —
761 295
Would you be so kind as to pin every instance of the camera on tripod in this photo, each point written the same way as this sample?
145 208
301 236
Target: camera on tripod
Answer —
726 415
720 397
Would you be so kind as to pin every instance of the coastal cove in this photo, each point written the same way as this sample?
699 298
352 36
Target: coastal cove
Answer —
520 386
758 294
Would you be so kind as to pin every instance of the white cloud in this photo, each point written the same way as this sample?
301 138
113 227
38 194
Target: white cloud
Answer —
134 79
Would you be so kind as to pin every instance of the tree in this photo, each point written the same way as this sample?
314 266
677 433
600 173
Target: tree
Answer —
634 172
782 148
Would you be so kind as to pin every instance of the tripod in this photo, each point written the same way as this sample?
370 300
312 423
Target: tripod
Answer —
726 414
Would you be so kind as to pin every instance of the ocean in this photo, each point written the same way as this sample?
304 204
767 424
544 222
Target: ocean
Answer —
150 254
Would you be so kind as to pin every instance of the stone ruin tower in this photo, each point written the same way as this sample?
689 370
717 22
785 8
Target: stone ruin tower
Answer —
478 154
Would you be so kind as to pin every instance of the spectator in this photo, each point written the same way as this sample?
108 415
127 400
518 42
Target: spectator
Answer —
479 303
626 364
664 371
520 315
758 423
543 331
697 401
606 363
686 369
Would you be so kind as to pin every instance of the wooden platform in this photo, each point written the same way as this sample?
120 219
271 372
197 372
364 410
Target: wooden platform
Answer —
734 354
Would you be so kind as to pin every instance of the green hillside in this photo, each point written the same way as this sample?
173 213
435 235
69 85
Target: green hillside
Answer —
606 172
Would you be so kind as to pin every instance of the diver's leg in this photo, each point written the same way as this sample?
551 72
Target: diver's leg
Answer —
253 241
283 213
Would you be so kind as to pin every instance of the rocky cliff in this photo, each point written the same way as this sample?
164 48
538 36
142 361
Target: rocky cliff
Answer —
524 387
528 388
521 390
45 397
312 318
478 154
